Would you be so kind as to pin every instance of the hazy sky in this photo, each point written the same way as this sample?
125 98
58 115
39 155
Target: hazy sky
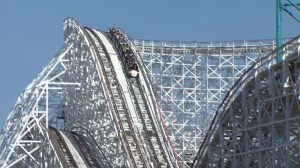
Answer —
31 31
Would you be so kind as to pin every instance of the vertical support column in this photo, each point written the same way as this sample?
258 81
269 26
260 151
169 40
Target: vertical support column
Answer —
47 105
278 29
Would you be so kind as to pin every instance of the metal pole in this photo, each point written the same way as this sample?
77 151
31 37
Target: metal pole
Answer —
278 29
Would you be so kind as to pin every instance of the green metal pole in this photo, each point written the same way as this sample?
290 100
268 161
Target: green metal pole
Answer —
278 29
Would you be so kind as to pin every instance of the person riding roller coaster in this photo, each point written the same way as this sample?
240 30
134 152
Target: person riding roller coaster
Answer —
127 55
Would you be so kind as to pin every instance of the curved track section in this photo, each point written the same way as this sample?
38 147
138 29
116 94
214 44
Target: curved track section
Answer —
63 151
75 150
257 124
92 157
